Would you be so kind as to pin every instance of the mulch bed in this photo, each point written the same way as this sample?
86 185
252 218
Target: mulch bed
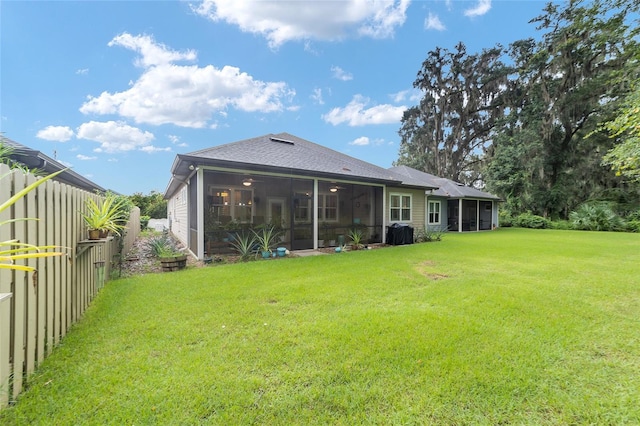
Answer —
140 261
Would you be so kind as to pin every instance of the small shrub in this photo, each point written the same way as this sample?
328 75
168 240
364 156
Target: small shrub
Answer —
633 226
529 220
356 235
244 244
562 225
144 222
426 235
420 235
505 219
162 245
597 216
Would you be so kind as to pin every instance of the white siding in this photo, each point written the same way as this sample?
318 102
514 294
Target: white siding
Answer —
178 214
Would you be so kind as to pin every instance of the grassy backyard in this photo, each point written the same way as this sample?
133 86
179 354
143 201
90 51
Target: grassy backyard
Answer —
508 327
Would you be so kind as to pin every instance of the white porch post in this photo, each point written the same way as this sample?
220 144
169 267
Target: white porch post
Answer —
200 210
460 213
384 213
315 214
477 215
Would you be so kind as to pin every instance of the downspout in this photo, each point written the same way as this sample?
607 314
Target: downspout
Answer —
426 210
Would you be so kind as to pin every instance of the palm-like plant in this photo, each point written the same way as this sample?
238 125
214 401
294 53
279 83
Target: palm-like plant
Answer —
107 215
267 237
12 250
356 235
243 244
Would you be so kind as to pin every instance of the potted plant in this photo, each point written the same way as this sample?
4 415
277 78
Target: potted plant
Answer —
105 216
266 237
165 250
356 235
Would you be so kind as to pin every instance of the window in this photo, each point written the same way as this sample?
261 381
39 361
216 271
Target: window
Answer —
434 212
302 208
400 208
228 204
328 207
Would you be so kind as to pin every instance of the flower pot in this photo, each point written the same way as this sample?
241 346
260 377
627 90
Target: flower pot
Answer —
266 254
94 234
173 263
104 233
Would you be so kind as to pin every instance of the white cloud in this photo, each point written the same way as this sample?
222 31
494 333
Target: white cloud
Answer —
317 96
176 141
151 52
83 71
280 22
356 113
341 74
114 136
412 95
151 149
361 141
184 95
55 133
383 24
433 23
85 157
480 9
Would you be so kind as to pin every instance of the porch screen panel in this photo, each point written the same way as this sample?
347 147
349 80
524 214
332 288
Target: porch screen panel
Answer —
376 206
301 221
193 213
469 215
485 215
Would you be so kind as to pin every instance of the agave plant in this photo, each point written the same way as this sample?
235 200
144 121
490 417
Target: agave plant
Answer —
12 250
244 244
106 215
267 237
356 236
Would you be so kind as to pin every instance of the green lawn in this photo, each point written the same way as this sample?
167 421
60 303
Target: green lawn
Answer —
508 327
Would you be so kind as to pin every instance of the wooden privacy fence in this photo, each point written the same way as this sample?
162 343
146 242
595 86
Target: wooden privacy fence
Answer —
37 308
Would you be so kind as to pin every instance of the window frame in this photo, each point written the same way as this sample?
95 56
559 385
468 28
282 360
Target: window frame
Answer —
438 212
233 205
400 208
322 207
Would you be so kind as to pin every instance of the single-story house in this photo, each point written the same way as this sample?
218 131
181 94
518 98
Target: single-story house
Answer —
454 206
34 159
312 194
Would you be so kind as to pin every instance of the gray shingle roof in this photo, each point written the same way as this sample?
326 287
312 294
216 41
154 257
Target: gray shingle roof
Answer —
446 187
287 151
34 159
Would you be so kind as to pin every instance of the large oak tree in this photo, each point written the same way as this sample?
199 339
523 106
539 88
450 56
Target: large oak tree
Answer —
448 132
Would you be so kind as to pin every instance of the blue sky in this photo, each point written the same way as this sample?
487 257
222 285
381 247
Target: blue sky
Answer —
116 89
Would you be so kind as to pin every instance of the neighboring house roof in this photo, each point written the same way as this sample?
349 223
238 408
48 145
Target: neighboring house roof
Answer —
283 152
446 187
34 159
